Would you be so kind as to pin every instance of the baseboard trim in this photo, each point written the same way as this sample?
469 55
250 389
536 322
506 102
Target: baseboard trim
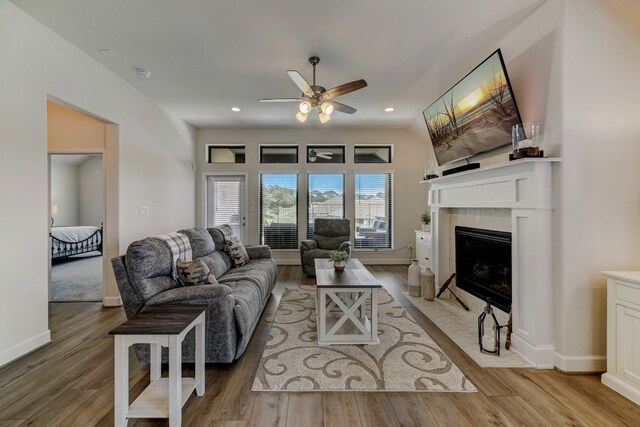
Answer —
580 364
627 390
112 301
25 347
540 356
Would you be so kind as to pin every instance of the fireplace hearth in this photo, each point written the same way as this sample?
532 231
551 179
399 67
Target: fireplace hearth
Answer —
483 265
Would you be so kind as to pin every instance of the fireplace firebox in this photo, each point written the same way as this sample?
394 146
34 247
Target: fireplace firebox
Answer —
483 264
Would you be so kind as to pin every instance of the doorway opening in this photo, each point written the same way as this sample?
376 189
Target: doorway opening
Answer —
88 145
77 218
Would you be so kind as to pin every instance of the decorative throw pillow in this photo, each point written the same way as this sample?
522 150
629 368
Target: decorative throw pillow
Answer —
195 272
236 251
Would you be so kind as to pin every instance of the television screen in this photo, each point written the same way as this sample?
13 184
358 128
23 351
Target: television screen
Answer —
475 115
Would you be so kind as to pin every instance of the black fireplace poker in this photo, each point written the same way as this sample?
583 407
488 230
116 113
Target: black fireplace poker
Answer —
444 288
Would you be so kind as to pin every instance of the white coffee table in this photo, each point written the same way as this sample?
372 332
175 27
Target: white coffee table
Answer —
341 302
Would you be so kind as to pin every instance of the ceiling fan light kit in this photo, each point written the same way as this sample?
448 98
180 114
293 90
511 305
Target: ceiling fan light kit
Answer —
315 96
302 117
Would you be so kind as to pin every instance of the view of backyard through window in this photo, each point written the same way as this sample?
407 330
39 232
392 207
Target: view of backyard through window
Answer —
279 210
325 199
373 210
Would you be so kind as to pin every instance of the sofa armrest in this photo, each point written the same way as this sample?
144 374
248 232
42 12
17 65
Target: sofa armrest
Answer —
345 246
258 251
190 295
307 245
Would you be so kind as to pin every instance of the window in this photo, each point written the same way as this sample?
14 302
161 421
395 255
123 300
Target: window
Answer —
225 202
373 210
279 210
226 154
278 154
372 154
325 153
325 198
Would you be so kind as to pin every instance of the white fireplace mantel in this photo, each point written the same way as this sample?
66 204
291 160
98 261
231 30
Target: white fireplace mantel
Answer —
525 187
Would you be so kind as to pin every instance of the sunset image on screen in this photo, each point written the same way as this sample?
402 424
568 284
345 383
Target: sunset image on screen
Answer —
474 116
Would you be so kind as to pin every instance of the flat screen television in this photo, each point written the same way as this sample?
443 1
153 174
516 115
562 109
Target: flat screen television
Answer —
475 115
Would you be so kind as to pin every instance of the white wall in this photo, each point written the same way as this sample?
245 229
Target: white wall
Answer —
574 66
64 192
90 192
154 162
600 218
410 199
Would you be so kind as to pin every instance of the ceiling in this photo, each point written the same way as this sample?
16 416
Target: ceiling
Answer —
71 159
207 56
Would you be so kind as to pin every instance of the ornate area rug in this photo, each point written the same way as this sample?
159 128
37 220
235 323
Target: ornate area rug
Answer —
406 359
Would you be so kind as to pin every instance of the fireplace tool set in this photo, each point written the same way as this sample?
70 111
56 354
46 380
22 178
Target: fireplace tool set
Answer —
486 320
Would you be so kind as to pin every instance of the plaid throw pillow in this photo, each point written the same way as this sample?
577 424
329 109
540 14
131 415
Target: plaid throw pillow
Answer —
194 272
236 251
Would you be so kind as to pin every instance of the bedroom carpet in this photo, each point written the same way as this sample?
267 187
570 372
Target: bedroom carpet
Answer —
406 359
77 279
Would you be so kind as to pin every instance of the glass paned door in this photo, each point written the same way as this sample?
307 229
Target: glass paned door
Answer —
225 202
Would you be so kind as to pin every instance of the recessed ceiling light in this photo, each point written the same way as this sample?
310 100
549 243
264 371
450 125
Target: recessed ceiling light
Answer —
106 51
143 73
389 110
235 109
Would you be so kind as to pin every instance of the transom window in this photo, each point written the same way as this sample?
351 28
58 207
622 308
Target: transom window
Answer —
226 153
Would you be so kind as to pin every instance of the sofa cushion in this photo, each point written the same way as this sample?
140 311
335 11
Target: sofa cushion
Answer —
218 235
201 241
195 272
149 264
236 251
218 262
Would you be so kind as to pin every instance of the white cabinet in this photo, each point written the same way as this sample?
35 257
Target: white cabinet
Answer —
423 248
623 333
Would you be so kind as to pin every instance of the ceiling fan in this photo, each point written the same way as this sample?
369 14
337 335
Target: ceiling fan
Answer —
313 155
317 96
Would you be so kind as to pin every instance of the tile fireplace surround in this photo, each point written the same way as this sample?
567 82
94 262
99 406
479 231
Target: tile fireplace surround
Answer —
524 188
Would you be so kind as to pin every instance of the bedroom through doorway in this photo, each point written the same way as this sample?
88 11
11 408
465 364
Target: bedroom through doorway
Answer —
76 242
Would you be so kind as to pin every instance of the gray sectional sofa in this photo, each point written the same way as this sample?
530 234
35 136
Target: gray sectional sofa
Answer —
144 277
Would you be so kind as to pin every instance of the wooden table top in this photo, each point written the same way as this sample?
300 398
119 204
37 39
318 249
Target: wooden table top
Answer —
168 319
355 275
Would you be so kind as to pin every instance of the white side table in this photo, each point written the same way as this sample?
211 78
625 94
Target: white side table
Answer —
159 326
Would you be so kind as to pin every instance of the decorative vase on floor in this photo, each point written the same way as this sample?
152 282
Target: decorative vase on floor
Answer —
414 278
339 265
428 284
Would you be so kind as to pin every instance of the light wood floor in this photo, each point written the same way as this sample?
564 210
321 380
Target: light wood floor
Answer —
70 383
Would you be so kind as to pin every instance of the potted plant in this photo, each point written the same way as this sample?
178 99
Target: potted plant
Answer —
339 259
425 218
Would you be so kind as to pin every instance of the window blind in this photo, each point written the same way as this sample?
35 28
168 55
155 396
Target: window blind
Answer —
325 198
223 201
374 202
279 210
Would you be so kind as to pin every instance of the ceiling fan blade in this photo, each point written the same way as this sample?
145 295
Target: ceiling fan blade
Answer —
280 100
301 83
324 156
344 89
343 108
325 153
